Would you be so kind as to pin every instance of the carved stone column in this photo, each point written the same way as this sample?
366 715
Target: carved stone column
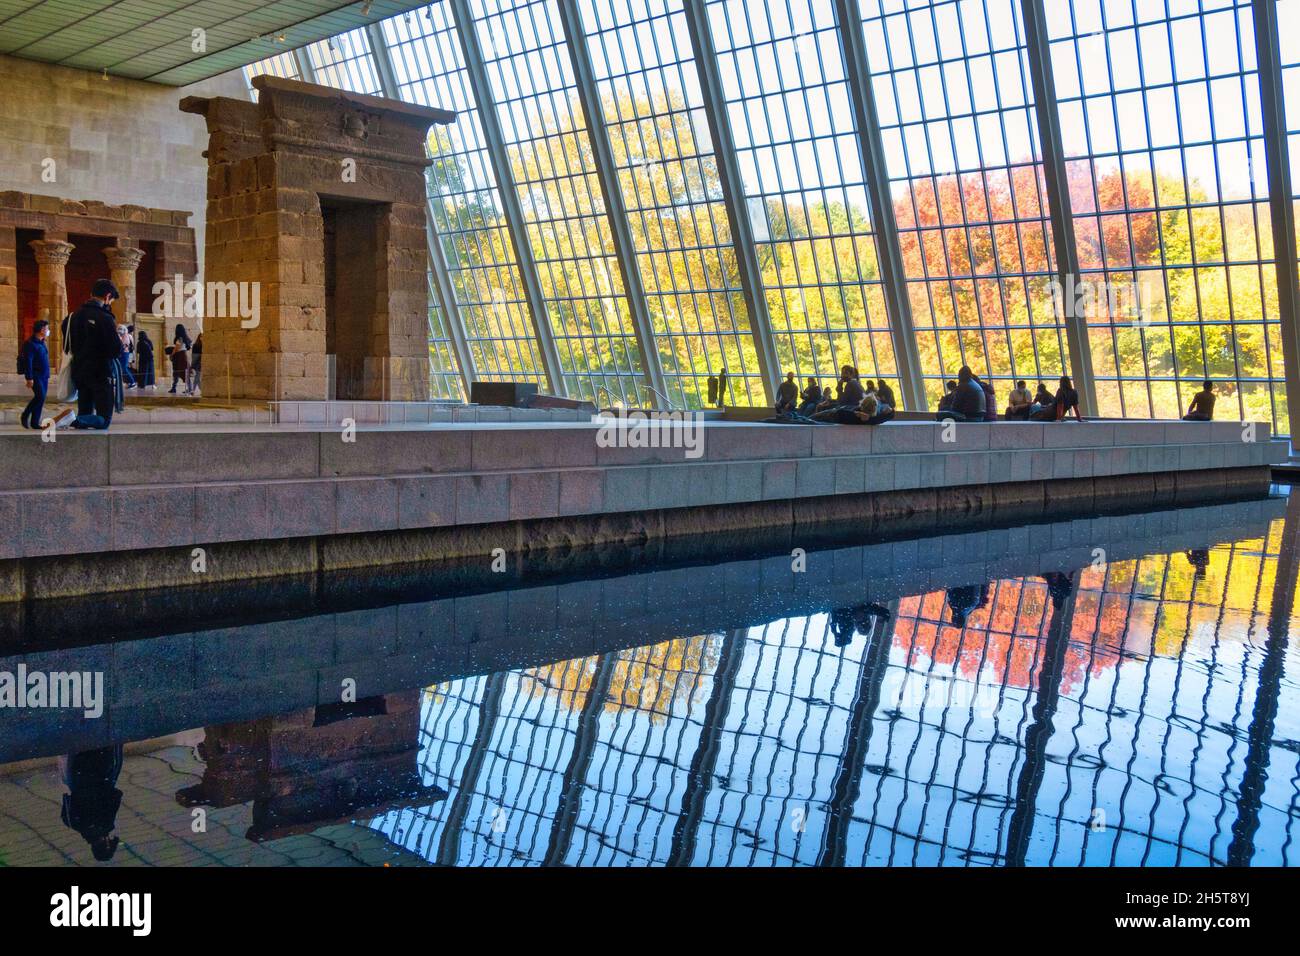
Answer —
122 263
52 289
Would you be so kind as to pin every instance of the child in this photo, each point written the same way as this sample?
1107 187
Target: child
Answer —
34 360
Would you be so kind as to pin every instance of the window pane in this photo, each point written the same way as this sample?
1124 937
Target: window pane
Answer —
783 78
1185 251
653 109
528 66
344 63
465 201
952 85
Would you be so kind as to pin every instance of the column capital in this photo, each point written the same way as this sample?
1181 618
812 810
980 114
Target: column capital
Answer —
123 257
51 252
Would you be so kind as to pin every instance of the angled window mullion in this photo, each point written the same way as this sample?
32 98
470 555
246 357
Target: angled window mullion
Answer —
440 285
305 68
1058 202
848 21
742 233
1281 207
495 143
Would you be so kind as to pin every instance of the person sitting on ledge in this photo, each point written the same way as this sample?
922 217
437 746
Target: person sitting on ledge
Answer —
828 400
945 403
787 394
990 399
1019 402
885 394
968 400
849 391
850 394
1202 407
1066 400
811 397
1043 397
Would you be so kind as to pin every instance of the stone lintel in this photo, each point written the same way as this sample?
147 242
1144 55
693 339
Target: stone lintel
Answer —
274 84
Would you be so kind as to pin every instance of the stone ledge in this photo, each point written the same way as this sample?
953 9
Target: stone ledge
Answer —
96 548
508 445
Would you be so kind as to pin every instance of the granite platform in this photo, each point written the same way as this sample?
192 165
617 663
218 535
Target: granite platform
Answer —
130 505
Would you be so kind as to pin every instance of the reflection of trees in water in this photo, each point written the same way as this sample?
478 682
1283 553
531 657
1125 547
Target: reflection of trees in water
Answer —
1156 606
653 680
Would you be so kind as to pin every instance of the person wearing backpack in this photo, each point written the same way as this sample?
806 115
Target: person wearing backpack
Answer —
91 336
34 366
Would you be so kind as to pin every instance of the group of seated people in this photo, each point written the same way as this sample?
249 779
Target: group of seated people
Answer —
971 399
967 399
854 402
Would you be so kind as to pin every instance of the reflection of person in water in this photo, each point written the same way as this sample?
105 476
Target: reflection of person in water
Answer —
842 625
865 619
1059 587
967 598
1199 558
90 806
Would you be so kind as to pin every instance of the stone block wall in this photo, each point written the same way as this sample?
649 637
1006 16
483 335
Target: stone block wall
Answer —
81 240
115 142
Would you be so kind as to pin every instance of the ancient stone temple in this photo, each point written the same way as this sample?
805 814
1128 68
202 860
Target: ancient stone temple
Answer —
316 211
52 250
316 767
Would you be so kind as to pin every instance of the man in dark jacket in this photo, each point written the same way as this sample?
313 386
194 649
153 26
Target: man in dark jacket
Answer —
91 335
968 401
91 804
787 395
36 370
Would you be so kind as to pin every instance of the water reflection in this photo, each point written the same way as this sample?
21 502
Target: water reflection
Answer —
1124 700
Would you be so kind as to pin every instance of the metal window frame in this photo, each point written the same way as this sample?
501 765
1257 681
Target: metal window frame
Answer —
742 232
440 286
616 213
1277 161
510 206
893 275
305 68
1068 274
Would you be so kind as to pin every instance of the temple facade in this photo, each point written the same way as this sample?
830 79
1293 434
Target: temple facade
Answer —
317 211
52 250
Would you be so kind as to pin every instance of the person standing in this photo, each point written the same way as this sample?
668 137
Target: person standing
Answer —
180 353
144 360
91 336
35 357
124 360
196 364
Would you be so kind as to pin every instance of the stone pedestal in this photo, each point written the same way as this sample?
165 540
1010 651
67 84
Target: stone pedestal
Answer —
316 202
122 263
52 289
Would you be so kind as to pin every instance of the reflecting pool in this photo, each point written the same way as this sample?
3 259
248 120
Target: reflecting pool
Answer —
1108 691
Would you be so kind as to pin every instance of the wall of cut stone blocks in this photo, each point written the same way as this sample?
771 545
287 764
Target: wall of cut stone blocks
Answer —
80 494
117 141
